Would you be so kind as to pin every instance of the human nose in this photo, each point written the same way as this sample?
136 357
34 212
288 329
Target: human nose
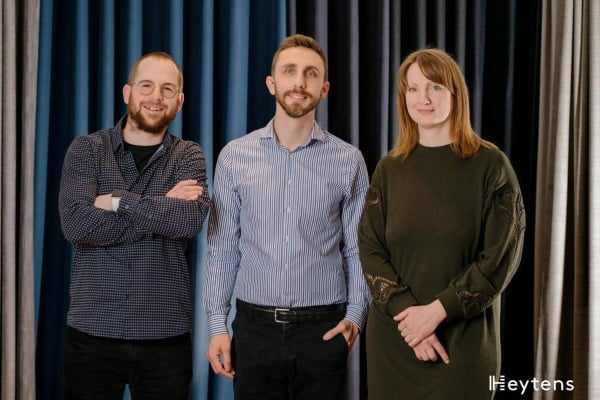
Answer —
156 92
300 81
424 97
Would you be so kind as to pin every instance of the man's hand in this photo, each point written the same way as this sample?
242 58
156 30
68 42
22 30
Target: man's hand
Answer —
345 327
219 355
430 348
104 201
186 190
418 322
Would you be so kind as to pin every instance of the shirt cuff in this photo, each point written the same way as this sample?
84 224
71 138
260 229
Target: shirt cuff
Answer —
357 315
128 200
217 324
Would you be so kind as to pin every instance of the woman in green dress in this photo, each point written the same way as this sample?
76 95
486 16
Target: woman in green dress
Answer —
440 238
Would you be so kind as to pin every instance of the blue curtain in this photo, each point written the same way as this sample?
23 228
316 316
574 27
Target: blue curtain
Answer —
86 51
225 48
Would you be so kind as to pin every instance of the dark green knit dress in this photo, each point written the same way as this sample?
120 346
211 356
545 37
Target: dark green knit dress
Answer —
439 226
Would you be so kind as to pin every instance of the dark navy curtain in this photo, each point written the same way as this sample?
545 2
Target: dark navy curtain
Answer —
225 48
87 48
497 45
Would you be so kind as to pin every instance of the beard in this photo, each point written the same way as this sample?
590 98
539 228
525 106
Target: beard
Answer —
150 126
296 110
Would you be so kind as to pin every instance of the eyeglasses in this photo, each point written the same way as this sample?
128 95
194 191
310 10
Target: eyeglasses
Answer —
168 90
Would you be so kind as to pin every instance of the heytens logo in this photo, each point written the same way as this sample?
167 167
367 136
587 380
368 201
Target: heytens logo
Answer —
535 384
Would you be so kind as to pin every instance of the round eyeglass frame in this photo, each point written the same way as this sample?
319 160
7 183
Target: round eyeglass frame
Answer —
145 88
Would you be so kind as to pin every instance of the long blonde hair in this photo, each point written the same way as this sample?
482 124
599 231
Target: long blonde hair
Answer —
438 67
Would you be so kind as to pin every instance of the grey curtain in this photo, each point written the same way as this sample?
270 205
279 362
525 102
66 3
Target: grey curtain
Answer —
567 245
18 71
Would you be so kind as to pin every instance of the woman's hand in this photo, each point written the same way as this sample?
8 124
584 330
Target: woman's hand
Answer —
418 322
429 349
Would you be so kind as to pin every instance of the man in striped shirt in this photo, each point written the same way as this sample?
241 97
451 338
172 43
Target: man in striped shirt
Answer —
282 239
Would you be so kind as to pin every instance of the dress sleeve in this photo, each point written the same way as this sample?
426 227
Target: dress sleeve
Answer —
503 229
389 293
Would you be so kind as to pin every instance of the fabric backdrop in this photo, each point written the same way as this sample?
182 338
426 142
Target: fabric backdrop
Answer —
18 71
86 51
496 44
87 47
567 248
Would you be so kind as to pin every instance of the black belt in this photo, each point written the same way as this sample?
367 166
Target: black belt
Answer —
334 312
76 333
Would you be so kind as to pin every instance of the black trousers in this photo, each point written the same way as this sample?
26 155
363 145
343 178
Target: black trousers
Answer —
287 361
99 368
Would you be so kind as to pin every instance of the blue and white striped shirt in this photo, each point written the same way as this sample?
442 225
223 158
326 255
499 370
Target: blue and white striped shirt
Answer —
282 227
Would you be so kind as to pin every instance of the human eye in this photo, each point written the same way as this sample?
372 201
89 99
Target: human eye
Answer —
169 90
411 89
437 88
311 73
145 85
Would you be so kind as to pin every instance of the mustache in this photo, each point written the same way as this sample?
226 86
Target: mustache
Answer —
301 92
152 104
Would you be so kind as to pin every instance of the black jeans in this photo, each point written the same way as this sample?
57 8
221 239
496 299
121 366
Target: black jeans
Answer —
99 368
275 361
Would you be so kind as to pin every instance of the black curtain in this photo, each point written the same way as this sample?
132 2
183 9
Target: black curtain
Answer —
497 44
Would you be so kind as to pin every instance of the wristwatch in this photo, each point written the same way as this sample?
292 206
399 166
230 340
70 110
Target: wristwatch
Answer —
115 198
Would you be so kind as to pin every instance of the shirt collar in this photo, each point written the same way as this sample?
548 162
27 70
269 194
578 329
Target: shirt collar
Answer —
117 135
316 134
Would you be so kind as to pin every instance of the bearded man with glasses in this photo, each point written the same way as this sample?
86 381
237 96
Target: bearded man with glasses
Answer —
130 198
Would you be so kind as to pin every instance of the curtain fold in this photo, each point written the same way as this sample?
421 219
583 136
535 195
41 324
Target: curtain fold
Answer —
18 41
594 198
567 282
594 252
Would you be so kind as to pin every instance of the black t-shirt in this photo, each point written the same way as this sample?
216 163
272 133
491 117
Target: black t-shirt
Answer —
141 154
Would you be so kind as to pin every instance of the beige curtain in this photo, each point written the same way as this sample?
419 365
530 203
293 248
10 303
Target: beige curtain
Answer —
18 78
567 231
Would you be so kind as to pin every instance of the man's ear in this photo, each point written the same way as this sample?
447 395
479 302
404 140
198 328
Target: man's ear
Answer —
270 82
180 101
325 89
126 92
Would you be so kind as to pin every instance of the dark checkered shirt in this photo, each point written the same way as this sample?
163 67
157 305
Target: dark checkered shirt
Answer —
130 278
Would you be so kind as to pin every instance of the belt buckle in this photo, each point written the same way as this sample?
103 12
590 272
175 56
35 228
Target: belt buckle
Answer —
277 319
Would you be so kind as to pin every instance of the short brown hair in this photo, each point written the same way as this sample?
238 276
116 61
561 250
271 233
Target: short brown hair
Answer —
157 54
439 67
299 40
